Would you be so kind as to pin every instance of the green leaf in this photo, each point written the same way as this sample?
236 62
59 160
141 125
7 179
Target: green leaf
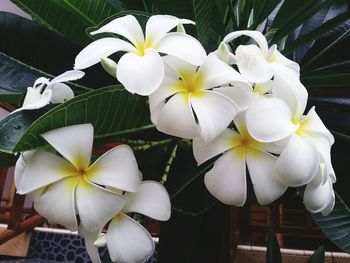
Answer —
187 192
326 80
56 18
7 160
318 255
91 12
111 110
273 254
261 10
336 225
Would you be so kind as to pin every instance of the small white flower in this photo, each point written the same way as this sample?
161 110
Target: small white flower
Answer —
190 102
226 181
141 69
307 141
64 187
127 241
269 70
45 91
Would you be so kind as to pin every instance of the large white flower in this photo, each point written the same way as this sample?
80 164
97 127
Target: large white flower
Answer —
127 241
227 179
45 91
269 70
190 102
307 140
68 186
141 69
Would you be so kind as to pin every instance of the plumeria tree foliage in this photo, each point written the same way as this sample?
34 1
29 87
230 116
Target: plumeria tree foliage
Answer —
208 98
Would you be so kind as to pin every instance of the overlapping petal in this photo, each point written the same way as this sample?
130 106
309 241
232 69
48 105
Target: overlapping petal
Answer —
158 25
96 205
226 181
261 166
98 49
214 112
59 208
299 162
73 142
60 93
203 151
141 74
116 168
126 26
43 169
128 241
67 76
183 47
151 199
270 120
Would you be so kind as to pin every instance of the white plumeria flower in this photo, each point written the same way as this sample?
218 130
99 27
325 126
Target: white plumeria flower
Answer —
268 69
190 102
45 91
319 195
141 69
226 181
68 186
127 241
307 140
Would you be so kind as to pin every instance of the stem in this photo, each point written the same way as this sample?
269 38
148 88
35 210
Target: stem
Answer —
132 130
140 145
168 164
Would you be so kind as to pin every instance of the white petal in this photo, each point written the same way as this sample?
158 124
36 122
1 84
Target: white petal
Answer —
181 67
313 123
223 52
61 93
126 26
151 199
98 49
298 162
96 205
317 198
89 239
128 241
270 120
252 64
184 47
328 209
288 87
257 36
31 102
73 142
42 169
203 151
158 25
116 168
226 181
56 204
277 57
261 168
176 117
241 97
216 73
141 74
67 76
214 111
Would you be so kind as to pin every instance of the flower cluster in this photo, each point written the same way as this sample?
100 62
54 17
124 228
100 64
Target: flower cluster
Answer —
244 106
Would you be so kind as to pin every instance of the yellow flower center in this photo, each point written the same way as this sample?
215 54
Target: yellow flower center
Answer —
190 83
142 46
244 143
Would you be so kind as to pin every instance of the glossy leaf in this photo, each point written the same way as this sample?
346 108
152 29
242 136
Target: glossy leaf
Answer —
111 110
7 160
336 226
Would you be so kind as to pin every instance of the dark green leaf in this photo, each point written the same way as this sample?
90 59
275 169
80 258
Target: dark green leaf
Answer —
187 192
7 160
56 18
326 80
273 254
261 10
336 226
111 110
318 255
